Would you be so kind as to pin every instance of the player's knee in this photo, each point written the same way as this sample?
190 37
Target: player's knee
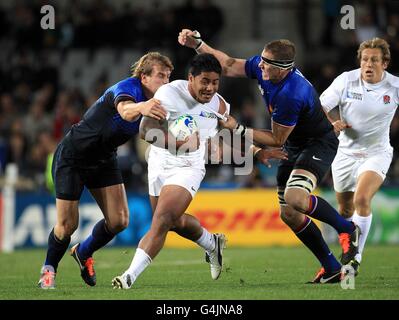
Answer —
164 222
178 224
288 216
119 222
346 211
120 225
361 202
296 199
65 229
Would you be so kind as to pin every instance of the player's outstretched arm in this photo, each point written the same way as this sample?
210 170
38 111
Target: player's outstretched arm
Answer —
232 67
272 138
130 110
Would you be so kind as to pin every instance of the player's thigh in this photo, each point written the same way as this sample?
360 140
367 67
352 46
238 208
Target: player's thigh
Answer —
367 185
189 178
318 155
156 173
300 185
370 176
344 171
113 203
172 203
67 179
372 172
153 202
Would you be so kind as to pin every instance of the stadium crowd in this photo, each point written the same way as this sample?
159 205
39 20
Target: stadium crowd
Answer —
37 109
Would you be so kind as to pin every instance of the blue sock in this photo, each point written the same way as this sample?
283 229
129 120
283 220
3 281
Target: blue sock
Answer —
321 210
311 237
99 237
56 250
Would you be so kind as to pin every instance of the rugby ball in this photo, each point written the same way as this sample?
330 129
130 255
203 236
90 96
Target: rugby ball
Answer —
183 127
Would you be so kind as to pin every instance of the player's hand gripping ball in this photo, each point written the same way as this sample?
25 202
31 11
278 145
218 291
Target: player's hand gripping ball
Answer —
183 127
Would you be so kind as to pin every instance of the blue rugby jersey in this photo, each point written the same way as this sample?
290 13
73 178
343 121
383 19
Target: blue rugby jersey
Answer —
102 129
291 102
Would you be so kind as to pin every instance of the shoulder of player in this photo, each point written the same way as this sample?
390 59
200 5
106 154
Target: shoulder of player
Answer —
392 80
171 88
352 75
296 89
130 87
223 104
125 83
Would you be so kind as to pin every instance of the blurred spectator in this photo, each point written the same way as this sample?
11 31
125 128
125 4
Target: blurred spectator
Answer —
325 76
17 151
210 21
366 28
36 120
331 11
65 115
392 32
248 113
302 17
8 113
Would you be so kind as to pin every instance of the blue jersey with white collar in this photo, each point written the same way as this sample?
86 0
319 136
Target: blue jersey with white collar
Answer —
102 128
292 102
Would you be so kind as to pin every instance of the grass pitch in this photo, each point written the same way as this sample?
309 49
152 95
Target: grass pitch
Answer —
182 274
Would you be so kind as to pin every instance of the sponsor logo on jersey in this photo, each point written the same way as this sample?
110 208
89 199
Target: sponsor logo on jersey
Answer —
208 115
354 95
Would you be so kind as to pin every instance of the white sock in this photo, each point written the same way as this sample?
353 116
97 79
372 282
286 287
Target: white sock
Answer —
141 260
349 219
364 224
206 241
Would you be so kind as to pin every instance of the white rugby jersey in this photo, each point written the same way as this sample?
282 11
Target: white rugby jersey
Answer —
177 100
368 108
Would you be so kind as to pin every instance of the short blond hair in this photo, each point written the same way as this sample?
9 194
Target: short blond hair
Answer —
376 43
145 63
281 49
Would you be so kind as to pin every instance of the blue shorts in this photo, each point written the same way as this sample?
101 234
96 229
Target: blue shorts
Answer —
314 156
71 174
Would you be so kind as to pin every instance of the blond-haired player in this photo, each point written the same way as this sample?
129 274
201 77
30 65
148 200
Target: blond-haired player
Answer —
367 99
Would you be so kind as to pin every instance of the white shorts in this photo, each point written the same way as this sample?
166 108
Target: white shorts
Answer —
186 177
347 168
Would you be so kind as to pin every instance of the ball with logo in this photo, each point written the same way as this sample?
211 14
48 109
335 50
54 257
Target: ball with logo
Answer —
183 127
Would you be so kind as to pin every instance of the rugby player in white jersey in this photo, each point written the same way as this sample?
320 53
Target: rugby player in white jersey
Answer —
175 177
367 99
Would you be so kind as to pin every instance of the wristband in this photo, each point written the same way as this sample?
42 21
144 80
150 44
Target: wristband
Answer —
199 46
197 37
257 149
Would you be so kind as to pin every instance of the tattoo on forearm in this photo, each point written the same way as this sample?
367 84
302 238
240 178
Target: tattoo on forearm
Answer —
230 62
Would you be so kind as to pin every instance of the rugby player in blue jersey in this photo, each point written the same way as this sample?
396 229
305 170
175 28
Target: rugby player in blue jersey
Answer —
87 157
300 125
